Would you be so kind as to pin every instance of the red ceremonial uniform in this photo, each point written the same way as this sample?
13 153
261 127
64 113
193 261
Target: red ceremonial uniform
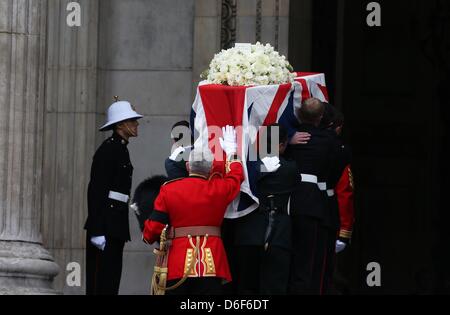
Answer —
344 191
193 202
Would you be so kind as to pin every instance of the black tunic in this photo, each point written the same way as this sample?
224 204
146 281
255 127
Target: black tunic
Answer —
314 158
250 230
341 160
111 171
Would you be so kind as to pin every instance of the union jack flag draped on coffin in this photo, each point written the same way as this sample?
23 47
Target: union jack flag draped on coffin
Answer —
216 106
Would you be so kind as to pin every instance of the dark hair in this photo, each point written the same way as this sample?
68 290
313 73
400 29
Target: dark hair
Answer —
332 117
311 111
178 137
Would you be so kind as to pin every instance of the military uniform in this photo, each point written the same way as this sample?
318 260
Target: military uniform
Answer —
176 167
108 194
333 222
345 197
310 211
261 269
195 204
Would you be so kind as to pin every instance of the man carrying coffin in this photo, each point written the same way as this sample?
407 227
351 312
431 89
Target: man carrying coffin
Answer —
332 122
263 238
311 236
186 220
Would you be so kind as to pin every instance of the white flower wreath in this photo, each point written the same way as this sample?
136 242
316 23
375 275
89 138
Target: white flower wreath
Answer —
261 65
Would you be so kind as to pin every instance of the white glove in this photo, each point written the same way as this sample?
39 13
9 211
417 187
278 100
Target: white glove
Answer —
99 242
134 207
340 246
229 142
272 164
175 153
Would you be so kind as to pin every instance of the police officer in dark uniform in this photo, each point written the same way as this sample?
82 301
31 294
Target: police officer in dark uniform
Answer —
263 238
108 194
309 206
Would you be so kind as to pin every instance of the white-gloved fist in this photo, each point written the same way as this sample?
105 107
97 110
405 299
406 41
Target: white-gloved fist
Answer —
99 242
272 164
229 141
340 246
176 153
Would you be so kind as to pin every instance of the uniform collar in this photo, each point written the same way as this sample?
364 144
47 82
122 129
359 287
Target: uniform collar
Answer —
193 175
116 137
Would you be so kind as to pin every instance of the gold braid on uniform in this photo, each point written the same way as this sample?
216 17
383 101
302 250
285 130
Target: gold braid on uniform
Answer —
350 178
232 159
159 279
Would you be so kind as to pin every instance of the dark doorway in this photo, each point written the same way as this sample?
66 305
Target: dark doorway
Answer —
391 82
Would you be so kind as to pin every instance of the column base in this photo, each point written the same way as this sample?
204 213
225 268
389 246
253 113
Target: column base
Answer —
26 269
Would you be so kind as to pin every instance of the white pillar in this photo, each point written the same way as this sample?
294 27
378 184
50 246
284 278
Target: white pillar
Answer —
25 266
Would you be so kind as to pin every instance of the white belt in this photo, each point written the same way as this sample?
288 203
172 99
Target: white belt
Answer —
306 178
118 196
330 192
322 186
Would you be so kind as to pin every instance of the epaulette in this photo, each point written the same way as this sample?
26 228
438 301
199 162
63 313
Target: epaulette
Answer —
173 180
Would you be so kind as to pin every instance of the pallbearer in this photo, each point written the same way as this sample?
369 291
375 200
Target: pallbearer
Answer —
186 220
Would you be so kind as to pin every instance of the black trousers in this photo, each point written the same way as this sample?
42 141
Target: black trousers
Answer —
104 268
228 239
197 286
261 272
313 256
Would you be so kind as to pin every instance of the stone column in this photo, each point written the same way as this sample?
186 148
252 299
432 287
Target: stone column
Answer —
25 266
70 134
207 37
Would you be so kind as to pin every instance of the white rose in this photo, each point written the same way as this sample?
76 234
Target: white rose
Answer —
249 75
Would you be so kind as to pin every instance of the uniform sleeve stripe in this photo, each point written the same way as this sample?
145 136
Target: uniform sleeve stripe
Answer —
345 234
159 216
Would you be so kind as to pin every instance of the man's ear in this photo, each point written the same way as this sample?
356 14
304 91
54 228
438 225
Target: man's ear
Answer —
339 130
119 126
187 166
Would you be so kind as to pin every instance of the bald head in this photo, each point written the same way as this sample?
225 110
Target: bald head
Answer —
311 111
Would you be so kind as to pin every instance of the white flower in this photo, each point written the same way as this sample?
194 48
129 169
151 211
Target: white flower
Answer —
249 75
260 66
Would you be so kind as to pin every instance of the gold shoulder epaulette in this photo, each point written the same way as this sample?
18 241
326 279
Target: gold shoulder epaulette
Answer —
173 180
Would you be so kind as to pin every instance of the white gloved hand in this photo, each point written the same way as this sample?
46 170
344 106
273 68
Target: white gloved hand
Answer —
272 164
229 141
340 246
99 242
175 153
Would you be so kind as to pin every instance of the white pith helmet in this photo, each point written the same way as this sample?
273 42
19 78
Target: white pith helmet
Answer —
118 112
